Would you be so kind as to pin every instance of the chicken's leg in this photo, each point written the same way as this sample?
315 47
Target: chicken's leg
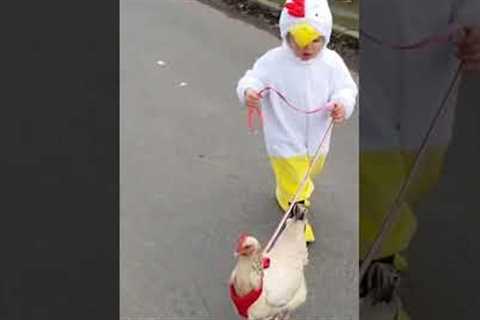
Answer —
285 315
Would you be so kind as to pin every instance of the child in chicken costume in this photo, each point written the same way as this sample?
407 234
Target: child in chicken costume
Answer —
309 75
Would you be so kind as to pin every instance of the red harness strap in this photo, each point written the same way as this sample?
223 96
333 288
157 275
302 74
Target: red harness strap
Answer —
242 303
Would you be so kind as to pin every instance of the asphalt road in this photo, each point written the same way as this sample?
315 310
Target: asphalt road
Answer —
193 178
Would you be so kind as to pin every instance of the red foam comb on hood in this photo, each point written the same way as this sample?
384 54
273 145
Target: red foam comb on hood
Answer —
296 8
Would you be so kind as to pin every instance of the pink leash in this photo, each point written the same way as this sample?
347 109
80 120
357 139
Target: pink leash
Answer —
453 28
253 111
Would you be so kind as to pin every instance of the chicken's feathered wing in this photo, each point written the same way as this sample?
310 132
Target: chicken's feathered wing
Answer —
284 278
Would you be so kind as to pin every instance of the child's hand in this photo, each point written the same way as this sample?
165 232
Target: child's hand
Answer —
338 113
252 98
468 48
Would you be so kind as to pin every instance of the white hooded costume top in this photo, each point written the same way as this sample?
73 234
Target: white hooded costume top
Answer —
306 84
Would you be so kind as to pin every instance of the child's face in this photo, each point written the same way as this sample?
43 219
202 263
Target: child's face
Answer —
310 51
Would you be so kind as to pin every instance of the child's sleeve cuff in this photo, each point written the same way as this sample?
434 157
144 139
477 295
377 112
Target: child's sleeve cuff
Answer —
245 83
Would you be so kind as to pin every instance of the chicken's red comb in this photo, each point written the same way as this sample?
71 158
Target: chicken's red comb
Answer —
240 242
296 8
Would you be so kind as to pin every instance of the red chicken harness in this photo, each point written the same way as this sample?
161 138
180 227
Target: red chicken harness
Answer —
242 303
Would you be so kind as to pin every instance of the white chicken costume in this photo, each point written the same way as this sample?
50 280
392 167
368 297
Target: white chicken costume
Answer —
292 137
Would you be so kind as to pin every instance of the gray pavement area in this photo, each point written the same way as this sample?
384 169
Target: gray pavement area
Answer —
192 178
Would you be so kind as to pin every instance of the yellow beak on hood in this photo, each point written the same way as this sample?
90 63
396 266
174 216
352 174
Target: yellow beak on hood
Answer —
303 34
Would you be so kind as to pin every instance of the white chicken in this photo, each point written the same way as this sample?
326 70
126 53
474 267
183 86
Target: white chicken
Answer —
271 286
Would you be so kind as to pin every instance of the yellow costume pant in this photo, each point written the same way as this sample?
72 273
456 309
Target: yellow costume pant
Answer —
289 173
381 176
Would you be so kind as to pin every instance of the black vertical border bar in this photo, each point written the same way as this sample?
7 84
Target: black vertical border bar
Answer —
399 72
59 164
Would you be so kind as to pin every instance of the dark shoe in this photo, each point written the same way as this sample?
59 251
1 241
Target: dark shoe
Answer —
381 280
299 210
